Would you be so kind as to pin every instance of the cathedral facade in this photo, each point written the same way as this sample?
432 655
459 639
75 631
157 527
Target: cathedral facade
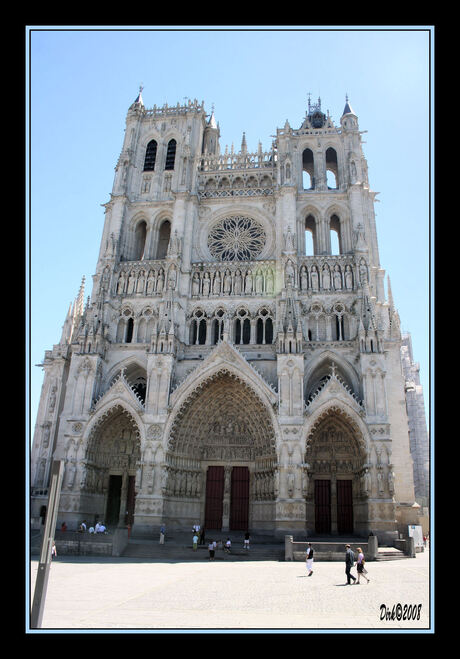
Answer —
238 363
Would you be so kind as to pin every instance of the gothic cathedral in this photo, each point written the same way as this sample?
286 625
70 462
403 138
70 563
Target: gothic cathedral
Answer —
238 363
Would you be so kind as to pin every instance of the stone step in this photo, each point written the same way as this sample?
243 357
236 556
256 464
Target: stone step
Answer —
175 550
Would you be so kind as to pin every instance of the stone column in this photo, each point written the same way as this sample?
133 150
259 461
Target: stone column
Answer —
226 501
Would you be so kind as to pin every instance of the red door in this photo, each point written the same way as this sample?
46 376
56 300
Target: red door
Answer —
214 498
345 506
322 506
239 506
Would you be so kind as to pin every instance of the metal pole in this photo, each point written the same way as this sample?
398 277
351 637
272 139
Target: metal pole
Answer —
41 583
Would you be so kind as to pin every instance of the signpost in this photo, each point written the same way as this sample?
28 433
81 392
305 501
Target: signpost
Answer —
41 583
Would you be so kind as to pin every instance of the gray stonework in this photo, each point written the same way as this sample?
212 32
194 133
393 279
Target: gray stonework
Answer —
211 339
418 433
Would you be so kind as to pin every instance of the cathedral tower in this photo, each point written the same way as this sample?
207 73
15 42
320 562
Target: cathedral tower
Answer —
237 362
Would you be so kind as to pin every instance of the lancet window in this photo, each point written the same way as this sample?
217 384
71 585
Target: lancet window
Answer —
170 154
150 156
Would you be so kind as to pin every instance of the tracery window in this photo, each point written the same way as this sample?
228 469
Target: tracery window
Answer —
198 328
242 327
264 327
236 238
150 156
170 154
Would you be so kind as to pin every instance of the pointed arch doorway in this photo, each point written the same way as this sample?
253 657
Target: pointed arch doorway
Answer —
112 459
335 459
224 432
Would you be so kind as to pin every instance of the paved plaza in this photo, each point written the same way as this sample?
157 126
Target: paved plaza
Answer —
115 594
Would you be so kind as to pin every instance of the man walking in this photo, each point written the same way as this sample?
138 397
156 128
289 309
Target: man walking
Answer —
349 562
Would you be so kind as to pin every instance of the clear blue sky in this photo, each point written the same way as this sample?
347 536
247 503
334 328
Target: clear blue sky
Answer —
82 82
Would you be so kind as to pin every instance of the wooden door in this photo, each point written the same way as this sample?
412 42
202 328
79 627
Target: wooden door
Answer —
214 498
322 506
345 506
239 501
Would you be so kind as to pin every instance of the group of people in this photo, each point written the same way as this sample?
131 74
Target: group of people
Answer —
99 527
349 563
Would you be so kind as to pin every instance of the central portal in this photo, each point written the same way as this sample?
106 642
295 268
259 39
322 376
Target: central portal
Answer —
223 437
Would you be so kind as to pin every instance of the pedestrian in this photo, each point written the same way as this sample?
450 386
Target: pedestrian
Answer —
202 536
211 549
195 542
63 526
309 559
246 540
360 565
349 562
162 534
53 551
227 545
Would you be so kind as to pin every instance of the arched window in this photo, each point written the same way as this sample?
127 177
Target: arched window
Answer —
242 328
170 154
150 156
336 239
129 330
140 234
310 236
332 170
264 328
163 239
198 328
308 170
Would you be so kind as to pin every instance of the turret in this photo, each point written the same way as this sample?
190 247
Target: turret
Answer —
211 137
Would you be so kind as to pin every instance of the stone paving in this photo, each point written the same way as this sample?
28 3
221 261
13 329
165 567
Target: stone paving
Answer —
120 594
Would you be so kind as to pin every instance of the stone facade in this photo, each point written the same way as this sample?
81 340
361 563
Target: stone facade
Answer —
225 369
418 432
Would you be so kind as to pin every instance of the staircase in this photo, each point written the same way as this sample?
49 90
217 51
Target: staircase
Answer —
178 547
390 554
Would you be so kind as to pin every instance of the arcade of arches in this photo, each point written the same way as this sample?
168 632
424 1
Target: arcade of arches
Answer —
222 469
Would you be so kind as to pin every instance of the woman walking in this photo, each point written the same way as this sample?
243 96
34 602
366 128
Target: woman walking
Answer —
360 565
309 559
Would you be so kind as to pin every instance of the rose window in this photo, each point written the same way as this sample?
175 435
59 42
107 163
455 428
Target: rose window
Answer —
236 239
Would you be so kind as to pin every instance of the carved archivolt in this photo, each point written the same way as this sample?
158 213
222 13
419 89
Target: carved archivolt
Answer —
223 419
336 416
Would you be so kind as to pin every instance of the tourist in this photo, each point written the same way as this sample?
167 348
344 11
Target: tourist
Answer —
53 551
211 549
82 527
349 562
195 542
360 565
202 536
162 534
63 526
309 559
246 540
227 545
